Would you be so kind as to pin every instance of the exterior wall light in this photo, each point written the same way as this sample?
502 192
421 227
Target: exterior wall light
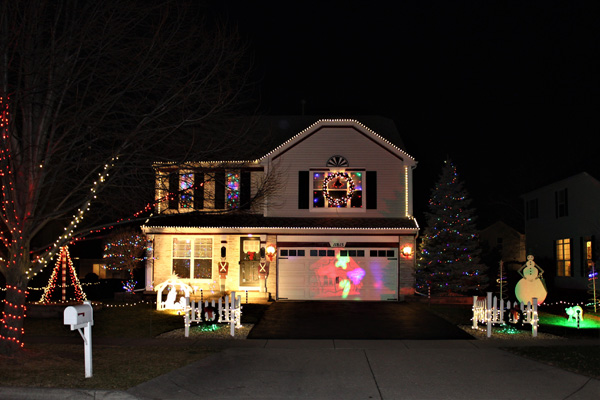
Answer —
407 251
270 252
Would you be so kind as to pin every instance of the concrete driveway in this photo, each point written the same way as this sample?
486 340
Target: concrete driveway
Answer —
353 320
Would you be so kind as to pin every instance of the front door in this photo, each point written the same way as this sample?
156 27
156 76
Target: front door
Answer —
249 261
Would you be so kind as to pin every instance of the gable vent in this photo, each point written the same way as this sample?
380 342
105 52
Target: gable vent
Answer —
337 161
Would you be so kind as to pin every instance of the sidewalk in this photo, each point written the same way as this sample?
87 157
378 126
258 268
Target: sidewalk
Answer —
354 369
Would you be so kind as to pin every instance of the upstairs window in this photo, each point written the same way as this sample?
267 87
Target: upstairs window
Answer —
197 190
232 188
531 209
337 189
185 190
561 199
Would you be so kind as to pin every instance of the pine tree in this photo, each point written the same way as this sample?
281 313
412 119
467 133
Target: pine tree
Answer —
449 259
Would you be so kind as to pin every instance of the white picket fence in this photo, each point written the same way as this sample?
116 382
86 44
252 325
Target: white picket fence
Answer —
489 312
228 310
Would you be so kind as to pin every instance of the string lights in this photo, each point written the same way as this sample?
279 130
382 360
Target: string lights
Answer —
449 257
336 178
65 265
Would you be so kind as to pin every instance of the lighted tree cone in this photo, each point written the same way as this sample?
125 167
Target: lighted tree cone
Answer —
532 284
64 267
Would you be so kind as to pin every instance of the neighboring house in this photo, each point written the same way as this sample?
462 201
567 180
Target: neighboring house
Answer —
562 224
335 221
506 240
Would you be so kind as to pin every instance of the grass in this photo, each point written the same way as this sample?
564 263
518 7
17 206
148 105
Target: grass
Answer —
582 360
120 367
116 367
113 320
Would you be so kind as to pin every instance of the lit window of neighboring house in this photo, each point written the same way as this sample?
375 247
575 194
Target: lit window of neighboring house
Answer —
561 200
337 189
563 257
192 258
588 257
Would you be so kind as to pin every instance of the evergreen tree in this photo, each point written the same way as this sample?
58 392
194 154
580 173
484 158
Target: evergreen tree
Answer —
449 259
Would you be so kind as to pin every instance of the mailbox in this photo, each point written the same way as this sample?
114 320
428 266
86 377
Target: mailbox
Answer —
79 316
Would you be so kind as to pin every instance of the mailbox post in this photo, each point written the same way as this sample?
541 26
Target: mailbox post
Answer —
82 316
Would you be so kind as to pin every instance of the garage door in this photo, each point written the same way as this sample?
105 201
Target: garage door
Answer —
338 274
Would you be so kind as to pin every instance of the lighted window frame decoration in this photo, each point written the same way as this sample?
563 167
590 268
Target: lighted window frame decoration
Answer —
346 195
186 190
232 189
563 257
192 258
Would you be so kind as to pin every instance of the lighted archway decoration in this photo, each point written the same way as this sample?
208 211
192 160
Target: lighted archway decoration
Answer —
342 201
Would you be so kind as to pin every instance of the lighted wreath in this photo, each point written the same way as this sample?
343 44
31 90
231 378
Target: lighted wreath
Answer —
337 176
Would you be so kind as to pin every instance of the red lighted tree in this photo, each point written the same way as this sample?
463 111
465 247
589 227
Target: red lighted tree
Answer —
91 93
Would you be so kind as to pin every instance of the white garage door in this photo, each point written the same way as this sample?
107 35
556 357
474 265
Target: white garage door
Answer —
338 274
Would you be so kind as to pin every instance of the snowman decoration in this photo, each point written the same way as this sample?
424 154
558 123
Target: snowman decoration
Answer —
531 284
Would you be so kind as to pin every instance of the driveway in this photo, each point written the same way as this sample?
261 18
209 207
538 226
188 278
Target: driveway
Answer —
353 320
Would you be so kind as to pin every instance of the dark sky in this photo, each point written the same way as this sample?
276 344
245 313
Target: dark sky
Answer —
508 90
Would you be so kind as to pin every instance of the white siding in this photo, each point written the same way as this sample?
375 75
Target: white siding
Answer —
361 152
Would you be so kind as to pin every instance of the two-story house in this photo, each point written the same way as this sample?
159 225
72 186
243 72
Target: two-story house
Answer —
335 220
508 242
562 225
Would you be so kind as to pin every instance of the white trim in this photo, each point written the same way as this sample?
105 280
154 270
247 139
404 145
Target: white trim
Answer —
337 238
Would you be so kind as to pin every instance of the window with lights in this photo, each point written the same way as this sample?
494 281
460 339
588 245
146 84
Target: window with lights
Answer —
192 258
337 189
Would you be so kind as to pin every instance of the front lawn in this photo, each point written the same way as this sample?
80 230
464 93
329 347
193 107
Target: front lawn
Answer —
579 359
44 364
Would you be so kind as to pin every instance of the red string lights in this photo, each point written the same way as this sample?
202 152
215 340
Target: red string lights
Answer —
64 267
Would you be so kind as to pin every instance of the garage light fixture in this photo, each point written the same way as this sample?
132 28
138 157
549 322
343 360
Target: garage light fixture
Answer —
270 252
407 251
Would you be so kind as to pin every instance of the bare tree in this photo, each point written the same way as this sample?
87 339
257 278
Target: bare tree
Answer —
91 93
124 250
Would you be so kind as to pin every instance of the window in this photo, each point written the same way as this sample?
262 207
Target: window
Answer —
192 258
292 253
562 209
232 189
185 191
588 259
186 184
352 253
382 253
336 189
531 209
563 257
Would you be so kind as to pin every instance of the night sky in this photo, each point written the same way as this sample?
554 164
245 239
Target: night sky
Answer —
508 90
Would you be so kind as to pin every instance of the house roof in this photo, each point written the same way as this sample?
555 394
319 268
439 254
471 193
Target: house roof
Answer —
584 175
264 134
387 135
237 220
